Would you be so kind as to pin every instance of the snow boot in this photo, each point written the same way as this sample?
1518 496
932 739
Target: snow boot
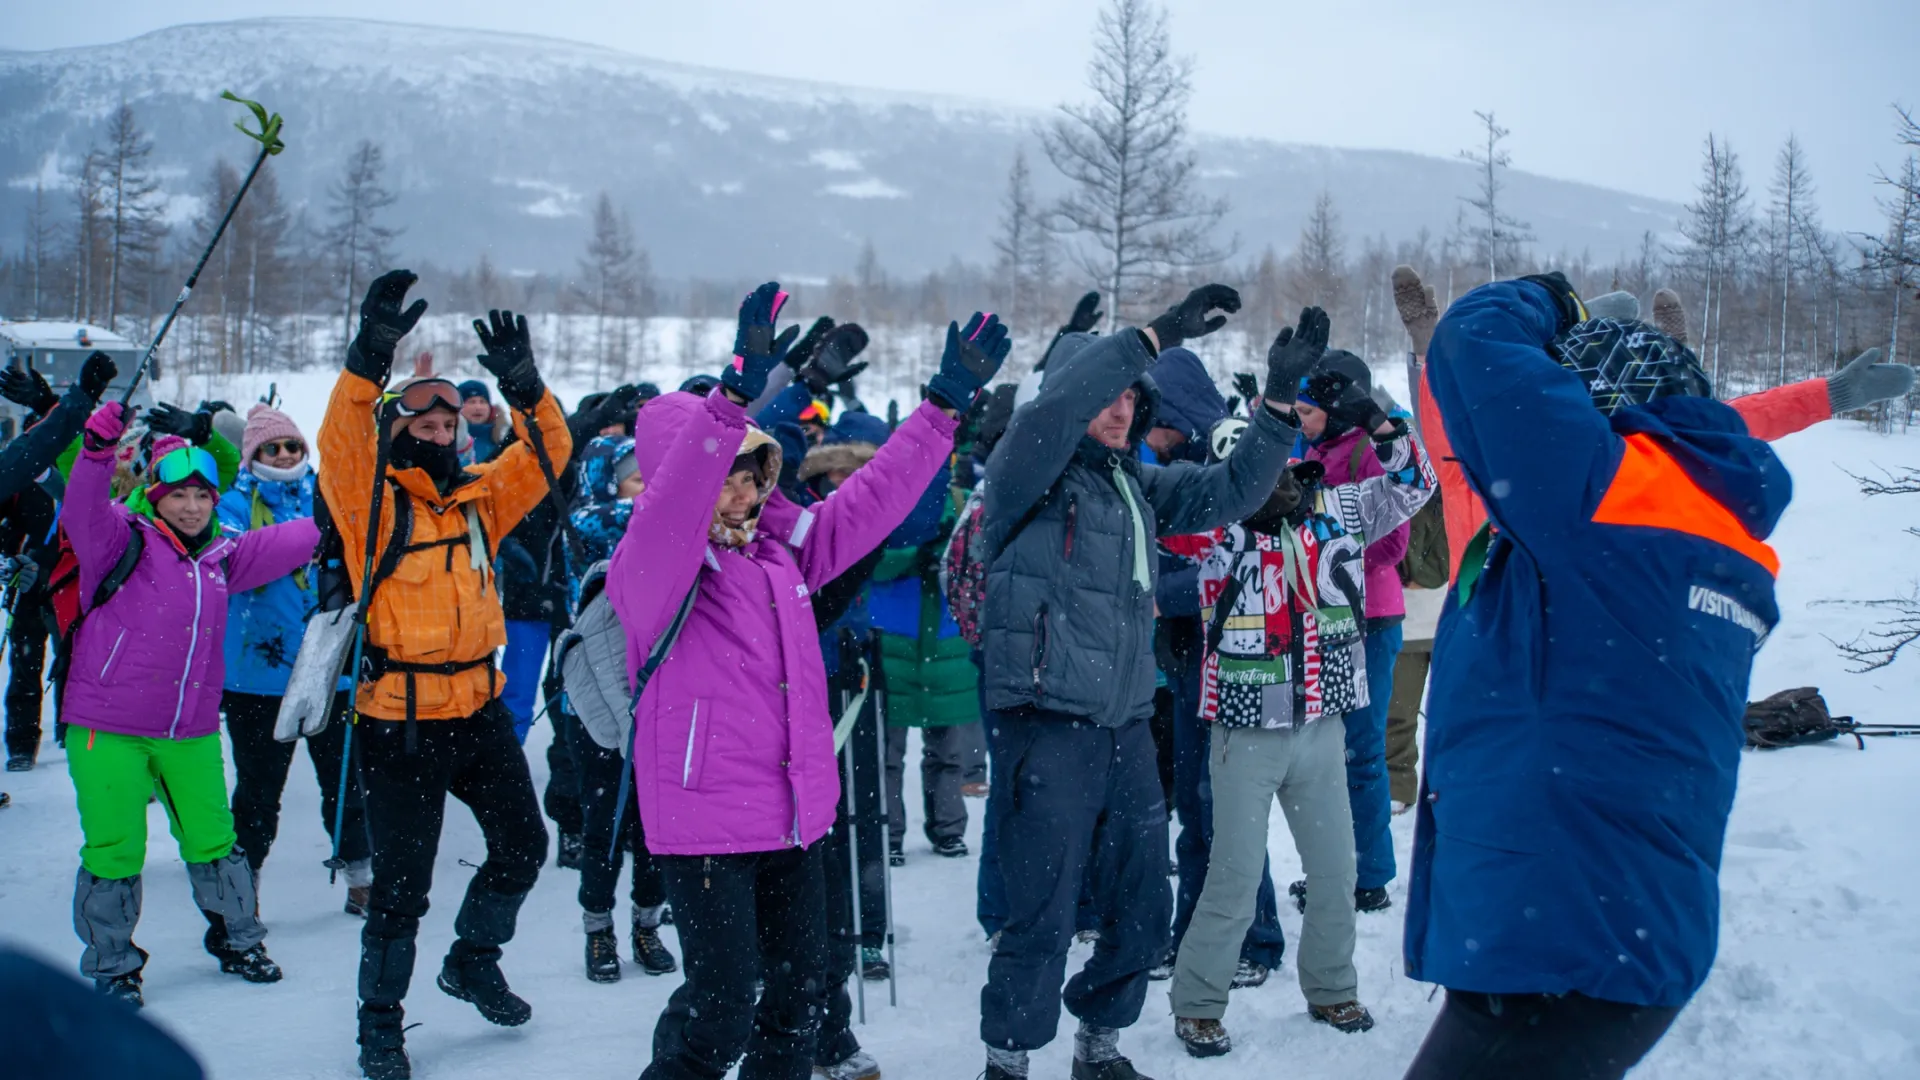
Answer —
603 956
858 1066
950 847
252 964
359 898
1111 1069
127 987
472 974
873 964
20 763
572 847
896 855
1248 975
651 953
1368 901
383 1043
1348 1016
1202 1038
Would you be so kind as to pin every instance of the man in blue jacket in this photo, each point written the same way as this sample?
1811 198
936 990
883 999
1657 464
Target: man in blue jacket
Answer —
1589 677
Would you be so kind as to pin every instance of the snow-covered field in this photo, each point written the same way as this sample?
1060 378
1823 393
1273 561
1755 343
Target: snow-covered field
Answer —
1819 969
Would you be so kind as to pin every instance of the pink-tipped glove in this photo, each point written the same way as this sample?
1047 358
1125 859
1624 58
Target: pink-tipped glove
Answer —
105 426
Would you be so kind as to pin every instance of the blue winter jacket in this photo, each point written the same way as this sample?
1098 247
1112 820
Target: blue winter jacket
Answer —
1589 674
264 625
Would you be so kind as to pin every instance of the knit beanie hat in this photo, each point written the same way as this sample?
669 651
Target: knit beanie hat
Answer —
473 388
265 424
1628 363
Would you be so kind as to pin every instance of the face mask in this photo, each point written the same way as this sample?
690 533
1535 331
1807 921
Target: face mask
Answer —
441 463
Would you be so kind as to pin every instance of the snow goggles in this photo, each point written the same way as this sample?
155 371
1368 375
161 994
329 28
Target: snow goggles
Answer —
182 465
418 397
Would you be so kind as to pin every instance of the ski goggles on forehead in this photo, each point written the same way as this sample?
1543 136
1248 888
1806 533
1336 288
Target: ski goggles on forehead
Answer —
184 464
418 397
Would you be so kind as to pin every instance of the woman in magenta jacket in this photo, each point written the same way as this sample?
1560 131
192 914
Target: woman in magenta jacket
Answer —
733 753
143 697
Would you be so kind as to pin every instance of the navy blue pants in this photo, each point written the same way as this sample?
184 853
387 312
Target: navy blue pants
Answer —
1266 940
1074 803
1368 791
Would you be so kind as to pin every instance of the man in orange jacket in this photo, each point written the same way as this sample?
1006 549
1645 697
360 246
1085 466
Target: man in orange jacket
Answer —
429 691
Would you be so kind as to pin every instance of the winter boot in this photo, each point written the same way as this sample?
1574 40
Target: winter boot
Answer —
1368 901
603 956
472 968
951 847
572 845
224 889
873 964
651 953
1248 975
125 987
1348 1016
252 964
1202 1038
1096 1055
1112 1069
896 855
858 1066
383 1043
105 911
19 762
1163 970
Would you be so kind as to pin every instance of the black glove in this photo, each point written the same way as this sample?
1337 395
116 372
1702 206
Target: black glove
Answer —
1294 353
509 358
97 374
1572 311
833 365
1246 386
620 406
195 427
1086 315
756 352
1187 319
29 389
1346 401
810 343
970 362
382 324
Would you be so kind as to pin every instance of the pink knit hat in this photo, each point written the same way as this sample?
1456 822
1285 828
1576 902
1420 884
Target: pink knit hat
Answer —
265 424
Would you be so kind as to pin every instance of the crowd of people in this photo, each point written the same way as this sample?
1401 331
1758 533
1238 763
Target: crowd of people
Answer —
1106 593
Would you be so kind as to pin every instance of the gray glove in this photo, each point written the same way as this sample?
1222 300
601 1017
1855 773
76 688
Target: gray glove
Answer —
1866 381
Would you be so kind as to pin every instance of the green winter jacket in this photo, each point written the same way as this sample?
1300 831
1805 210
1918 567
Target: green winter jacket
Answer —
931 680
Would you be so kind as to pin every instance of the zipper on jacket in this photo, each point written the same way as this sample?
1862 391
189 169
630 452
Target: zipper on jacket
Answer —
693 725
193 644
1073 514
113 652
1039 645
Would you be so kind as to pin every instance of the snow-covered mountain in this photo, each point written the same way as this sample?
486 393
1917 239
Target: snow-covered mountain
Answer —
503 141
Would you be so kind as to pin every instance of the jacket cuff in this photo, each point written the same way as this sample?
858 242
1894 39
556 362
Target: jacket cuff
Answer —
726 410
1274 426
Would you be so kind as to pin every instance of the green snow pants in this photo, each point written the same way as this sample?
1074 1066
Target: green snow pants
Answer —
113 776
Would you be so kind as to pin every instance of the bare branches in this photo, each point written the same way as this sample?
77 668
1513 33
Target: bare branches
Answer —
1874 649
1498 235
1904 482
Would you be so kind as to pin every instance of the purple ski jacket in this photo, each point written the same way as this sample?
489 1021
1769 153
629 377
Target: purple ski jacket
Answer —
733 743
152 660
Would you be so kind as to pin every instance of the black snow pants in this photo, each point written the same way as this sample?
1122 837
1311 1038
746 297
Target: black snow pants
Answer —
477 760
598 772
1539 1036
260 764
739 917
859 807
26 663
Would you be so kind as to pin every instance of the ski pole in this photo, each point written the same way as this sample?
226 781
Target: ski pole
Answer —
269 139
381 443
853 877
886 866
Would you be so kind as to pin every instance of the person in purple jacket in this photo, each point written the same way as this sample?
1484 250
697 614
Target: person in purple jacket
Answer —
733 747
143 697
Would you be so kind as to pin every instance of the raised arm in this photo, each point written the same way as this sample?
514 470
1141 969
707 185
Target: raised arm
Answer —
96 526
859 514
270 553
36 449
1189 498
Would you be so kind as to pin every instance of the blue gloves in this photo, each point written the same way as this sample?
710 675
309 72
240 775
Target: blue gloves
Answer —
756 352
972 358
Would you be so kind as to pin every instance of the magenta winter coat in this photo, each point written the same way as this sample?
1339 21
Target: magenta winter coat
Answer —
733 744
151 661
1385 596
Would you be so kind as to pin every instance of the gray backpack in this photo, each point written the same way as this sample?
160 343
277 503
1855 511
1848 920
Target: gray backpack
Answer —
593 660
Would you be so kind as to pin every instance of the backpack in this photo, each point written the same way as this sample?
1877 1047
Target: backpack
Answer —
1427 564
1794 718
593 661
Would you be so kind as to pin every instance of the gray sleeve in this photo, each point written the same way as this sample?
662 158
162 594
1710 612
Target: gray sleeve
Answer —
1194 498
1382 504
777 381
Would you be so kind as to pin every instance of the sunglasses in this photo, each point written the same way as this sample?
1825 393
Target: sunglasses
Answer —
423 395
282 446
186 462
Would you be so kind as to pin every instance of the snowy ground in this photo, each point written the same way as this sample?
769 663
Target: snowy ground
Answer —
1819 969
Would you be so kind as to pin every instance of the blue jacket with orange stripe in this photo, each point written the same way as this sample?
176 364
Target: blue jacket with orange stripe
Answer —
1589 675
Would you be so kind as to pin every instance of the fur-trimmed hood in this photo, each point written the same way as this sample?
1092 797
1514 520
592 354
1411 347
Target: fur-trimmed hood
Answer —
847 456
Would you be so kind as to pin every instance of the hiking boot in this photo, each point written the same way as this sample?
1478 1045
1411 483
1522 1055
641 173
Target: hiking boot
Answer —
1367 901
995 1072
570 850
895 855
951 847
124 988
1348 1016
19 762
603 956
253 965
1248 975
359 898
383 1044
1202 1038
858 1066
651 953
478 981
1114 1069
873 964
1163 970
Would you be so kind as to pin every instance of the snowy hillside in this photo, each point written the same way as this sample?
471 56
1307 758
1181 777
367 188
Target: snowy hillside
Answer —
503 141
1817 973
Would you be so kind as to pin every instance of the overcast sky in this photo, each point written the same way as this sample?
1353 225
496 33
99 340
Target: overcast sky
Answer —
1617 93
